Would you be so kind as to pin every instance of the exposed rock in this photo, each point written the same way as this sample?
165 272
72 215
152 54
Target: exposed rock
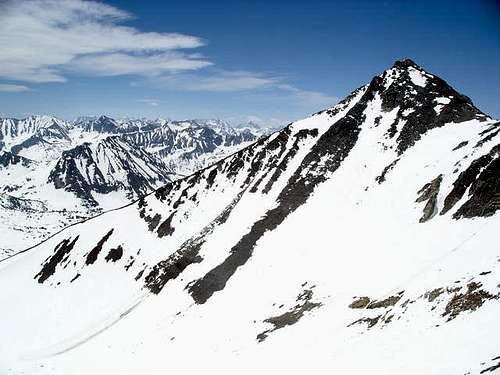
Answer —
292 316
360 303
371 322
114 254
49 267
94 253
433 294
387 302
429 193
482 180
470 300
387 169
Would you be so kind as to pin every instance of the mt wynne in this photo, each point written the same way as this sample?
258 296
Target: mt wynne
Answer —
362 239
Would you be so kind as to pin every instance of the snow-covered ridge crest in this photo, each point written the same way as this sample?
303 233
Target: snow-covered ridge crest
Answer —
366 229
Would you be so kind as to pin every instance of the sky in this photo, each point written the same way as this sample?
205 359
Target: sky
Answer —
271 62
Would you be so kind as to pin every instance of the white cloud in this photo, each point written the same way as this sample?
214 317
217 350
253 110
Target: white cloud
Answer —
41 39
234 81
151 102
5 87
114 64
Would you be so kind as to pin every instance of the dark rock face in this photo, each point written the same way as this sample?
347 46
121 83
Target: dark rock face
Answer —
408 96
429 193
61 251
482 178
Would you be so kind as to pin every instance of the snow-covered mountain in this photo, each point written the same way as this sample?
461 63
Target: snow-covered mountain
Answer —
108 165
79 169
362 239
36 137
187 146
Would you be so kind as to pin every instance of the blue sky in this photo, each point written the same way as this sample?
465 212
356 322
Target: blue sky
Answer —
271 61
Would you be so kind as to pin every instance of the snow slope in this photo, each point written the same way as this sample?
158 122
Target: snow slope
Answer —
359 240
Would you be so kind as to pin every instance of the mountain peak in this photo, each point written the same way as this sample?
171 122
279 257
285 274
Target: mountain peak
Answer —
406 63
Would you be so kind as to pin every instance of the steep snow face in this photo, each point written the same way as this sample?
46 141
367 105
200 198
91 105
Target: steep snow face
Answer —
108 165
360 239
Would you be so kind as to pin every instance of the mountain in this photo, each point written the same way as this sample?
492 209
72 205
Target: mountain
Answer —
359 240
189 145
101 124
80 169
185 146
108 165
105 124
34 136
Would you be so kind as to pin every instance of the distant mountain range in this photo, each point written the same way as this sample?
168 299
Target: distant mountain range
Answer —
80 168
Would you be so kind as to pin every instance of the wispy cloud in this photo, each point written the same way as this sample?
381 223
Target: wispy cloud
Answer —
41 39
151 102
224 81
5 87
114 64
234 81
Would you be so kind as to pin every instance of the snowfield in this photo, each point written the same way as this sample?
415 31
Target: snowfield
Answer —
362 239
